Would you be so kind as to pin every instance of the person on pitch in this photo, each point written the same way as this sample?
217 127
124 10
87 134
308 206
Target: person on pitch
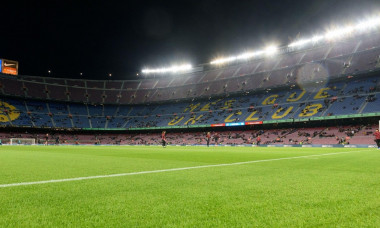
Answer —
46 139
163 138
258 140
216 138
377 138
208 137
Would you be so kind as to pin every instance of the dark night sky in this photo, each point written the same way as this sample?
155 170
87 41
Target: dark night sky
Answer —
122 37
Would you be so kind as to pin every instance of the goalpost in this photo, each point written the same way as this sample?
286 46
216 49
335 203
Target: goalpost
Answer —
22 141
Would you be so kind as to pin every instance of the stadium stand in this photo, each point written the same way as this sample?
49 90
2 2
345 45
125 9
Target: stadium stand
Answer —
333 80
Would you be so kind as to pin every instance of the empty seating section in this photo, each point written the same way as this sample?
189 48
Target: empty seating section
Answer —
112 96
76 83
363 61
116 122
211 75
35 90
315 55
62 121
77 94
127 96
56 81
95 110
267 65
254 82
81 121
58 108
141 96
344 48
336 66
148 83
195 78
228 73
78 109
162 94
95 95
57 92
109 110
95 84
178 81
233 85
247 69
114 85
13 87
98 122
216 88
163 82
277 78
129 85
369 43
290 60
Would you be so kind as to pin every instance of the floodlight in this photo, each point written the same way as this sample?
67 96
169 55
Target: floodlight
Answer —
271 50
369 24
172 69
337 33
316 39
299 43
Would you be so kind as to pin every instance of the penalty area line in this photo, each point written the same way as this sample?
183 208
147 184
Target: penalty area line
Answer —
168 170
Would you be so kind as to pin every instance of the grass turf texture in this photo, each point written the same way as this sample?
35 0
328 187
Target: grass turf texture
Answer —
337 190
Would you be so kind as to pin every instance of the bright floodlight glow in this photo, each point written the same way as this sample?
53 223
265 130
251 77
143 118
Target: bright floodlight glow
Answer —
316 39
172 69
244 56
363 26
369 24
299 43
331 35
338 33
271 50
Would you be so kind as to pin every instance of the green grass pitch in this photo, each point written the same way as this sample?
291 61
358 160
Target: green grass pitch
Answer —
336 190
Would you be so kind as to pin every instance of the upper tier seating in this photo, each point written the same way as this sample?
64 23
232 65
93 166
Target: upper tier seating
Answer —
315 64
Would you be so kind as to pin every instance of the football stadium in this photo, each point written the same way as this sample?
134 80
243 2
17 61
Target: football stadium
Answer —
281 136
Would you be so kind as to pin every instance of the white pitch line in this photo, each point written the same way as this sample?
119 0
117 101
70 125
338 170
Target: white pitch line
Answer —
166 170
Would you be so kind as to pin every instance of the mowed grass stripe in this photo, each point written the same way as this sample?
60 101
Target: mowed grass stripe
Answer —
169 170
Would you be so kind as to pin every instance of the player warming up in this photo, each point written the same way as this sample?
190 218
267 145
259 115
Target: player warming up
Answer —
163 138
377 138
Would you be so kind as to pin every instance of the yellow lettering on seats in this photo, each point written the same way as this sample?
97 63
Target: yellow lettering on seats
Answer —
293 97
270 100
249 118
228 104
193 120
277 116
191 107
322 93
310 110
229 120
175 121
206 107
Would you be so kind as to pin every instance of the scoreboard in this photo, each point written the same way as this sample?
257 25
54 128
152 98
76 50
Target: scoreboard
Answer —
8 66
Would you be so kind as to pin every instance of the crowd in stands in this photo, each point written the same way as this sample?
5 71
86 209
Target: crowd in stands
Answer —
360 134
